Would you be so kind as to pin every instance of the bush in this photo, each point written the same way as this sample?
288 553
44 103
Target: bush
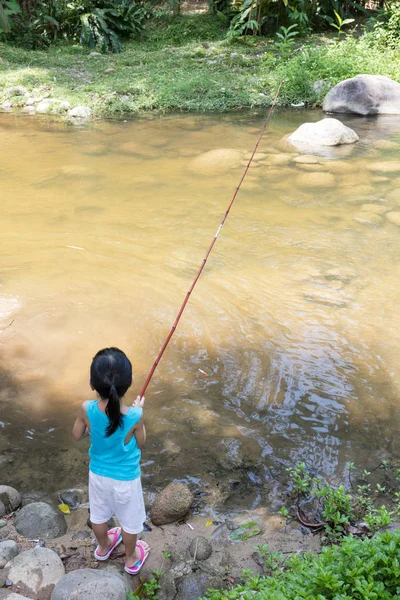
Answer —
355 570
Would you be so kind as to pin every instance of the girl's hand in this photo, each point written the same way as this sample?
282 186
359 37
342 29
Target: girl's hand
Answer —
139 402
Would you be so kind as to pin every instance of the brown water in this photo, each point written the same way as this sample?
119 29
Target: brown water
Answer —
295 320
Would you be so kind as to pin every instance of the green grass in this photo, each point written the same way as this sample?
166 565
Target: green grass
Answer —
169 69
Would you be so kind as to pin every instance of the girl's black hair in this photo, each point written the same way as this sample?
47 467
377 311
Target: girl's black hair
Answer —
111 377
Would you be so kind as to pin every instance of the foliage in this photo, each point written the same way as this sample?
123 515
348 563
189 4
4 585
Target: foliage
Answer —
285 39
338 23
385 25
7 8
353 570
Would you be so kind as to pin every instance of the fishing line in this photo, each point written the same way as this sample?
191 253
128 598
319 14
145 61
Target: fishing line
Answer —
199 272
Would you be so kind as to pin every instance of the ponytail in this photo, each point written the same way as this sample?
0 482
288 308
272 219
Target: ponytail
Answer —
113 411
111 377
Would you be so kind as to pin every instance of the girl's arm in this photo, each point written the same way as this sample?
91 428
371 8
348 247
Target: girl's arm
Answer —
139 431
81 425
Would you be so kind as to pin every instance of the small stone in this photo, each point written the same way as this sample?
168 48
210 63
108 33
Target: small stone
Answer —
71 498
30 102
6 105
80 112
315 180
95 54
2 523
65 105
81 535
110 70
394 217
200 548
212 62
43 107
234 55
8 550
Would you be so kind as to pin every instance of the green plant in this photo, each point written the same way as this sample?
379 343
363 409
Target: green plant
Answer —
244 21
7 9
337 510
338 23
301 480
285 39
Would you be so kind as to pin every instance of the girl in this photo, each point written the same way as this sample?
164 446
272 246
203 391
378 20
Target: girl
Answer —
117 434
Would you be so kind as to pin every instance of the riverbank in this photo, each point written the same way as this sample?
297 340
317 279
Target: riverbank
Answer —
186 64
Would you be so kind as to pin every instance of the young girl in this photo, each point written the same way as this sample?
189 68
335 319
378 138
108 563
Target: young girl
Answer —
117 434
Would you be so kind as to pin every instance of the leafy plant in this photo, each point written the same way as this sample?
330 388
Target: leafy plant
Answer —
337 510
7 9
285 38
244 21
338 23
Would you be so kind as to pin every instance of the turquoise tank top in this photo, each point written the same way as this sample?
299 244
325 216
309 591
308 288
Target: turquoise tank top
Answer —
109 456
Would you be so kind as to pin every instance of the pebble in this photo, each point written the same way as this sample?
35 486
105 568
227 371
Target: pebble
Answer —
109 70
2 523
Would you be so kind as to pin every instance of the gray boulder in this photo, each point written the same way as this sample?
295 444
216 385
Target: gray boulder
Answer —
10 499
89 584
171 504
40 520
8 550
80 112
36 571
327 132
200 548
195 586
364 95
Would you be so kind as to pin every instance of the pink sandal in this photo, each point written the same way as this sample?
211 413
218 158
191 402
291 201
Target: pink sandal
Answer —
116 533
143 557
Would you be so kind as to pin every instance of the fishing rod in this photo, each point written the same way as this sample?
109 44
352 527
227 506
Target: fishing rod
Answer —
203 264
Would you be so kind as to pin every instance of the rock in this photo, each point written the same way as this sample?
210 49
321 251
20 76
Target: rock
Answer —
378 209
80 112
8 549
2 523
95 54
393 195
230 454
6 105
306 159
40 520
7 595
196 585
71 498
390 166
364 95
65 105
327 132
109 70
17 90
89 584
200 548
394 217
10 498
215 162
368 218
315 180
171 504
386 145
81 535
29 109
36 571
320 86
43 107
31 497
30 102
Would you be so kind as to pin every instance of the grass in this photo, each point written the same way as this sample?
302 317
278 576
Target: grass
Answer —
188 64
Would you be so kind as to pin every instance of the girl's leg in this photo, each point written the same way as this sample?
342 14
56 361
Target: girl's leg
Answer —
131 553
104 540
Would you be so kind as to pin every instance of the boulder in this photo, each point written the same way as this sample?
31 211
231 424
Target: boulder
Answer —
8 550
364 95
40 520
43 107
65 105
36 571
200 548
80 112
215 162
9 498
327 132
196 585
89 584
394 217
17 90
171 504
315 180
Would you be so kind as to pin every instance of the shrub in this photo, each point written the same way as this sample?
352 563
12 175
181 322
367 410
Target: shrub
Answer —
354 570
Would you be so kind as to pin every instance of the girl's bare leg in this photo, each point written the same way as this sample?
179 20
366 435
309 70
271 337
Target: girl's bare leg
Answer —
132 553
104 540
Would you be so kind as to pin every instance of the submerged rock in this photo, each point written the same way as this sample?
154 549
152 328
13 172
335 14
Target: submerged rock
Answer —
390 166
40 520
315 179
8 550
364 95
230 454
327 132
171 504
394 217
10 499
36 571
89 584
216 161
200 548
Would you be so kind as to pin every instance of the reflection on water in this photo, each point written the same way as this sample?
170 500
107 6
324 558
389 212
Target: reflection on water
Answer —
295 319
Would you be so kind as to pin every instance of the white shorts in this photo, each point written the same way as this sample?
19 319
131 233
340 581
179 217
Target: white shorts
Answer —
124 499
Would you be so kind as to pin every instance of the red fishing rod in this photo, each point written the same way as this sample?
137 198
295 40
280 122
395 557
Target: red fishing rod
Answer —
203 264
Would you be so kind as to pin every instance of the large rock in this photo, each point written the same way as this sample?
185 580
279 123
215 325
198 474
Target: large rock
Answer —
327 132
36 571
364 95
10 499
8 550
196 585
200 548
40 520
89 584
7 595
216 161
80 112
171 504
